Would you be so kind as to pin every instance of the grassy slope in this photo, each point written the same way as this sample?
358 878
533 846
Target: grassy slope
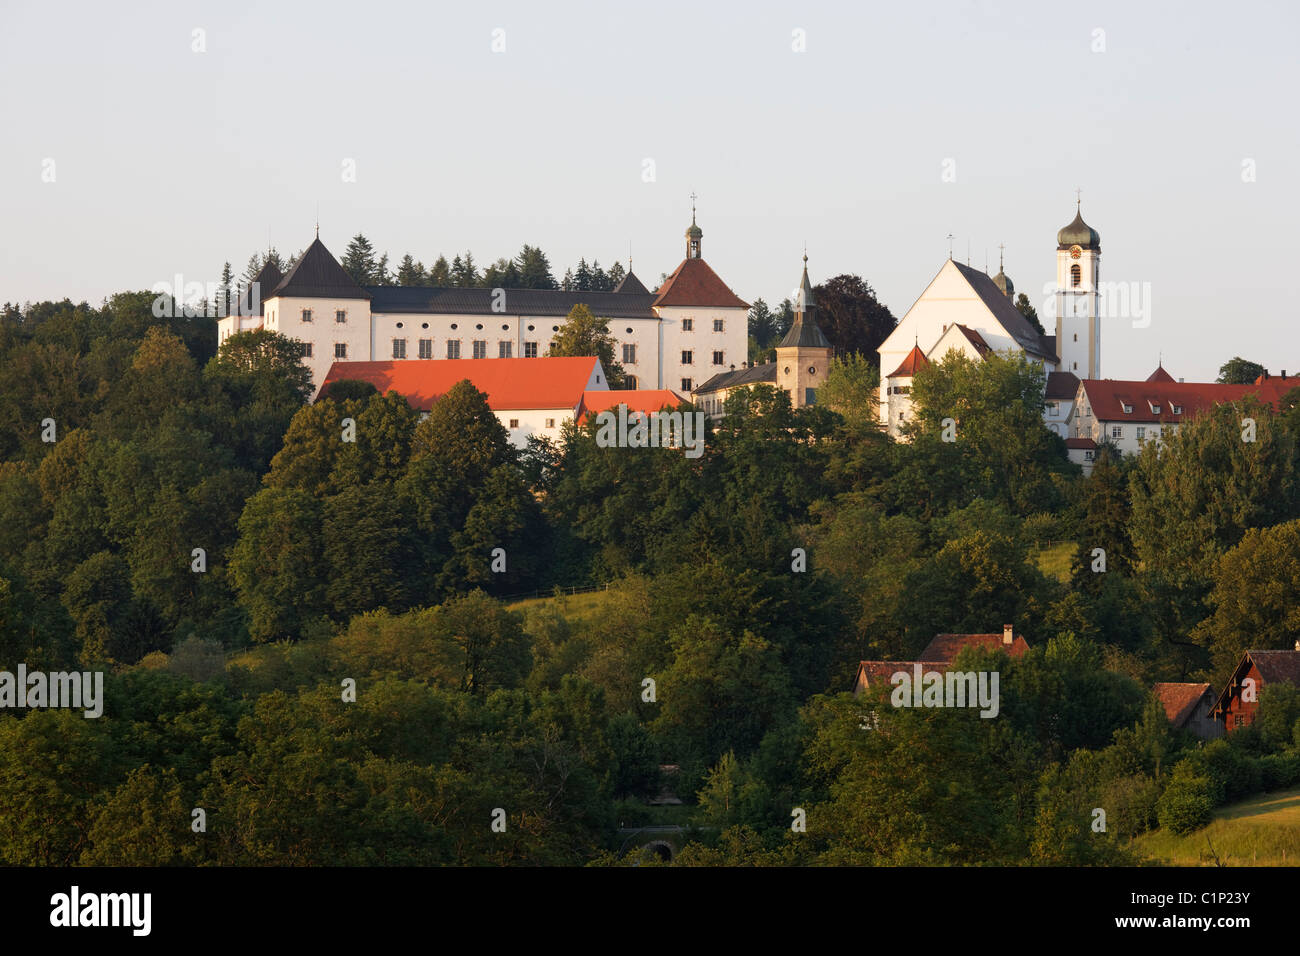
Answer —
1054 561
1262 831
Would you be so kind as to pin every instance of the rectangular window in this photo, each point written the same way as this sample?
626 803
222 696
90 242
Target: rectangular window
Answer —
1142 433
514 423
688 325
686 385
629 355
426 348
687 356
306 350
453 348
717 325
505 349
717 358
1116 431
1176 409
340 316
1088 455
530 350
340 350
1053 407
306 315
480 348
399 348
550 423
630 382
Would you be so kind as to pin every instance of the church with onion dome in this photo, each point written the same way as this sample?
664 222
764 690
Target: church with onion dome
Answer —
967 310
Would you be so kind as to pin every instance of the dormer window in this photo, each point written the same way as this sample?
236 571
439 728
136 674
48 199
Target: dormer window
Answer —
1128 409
1155 408
1176 409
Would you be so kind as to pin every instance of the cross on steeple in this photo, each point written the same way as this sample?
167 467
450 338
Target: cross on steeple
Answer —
693 198
1001 246
1078 199
950 245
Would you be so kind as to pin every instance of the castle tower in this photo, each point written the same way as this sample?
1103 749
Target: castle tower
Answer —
1078 273
804 355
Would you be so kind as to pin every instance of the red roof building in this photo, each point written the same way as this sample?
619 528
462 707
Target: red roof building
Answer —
946 647
1189 707
693 283
1239 699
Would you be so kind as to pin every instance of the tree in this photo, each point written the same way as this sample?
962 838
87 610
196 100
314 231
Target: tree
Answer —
851 316
359 261
225 290
440 273
411 273
583 334
534 269
1239 371
1106 519
762 324
501 274
1026 308
464 274
277 563
582 277
616 274
852 388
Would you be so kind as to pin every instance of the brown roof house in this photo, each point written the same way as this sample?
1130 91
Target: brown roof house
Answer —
938 656
1188 707
1239 700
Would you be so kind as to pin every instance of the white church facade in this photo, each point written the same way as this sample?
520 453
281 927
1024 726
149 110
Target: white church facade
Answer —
967 310
689 329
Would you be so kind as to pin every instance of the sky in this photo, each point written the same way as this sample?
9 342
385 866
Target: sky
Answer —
136 149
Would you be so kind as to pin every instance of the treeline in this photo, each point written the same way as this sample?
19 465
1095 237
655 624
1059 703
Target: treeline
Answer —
235 557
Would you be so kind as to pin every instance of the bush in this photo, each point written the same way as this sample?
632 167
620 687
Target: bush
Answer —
1280 771
1187 803
1234 775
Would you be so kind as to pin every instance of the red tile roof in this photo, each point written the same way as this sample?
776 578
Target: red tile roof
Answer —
1087 443
694 283
946 647
1180 700
509 383
871 673
915 359
639 400
1106 397
1160 375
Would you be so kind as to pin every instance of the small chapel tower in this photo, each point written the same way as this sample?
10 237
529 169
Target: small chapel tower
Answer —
693 235
1078 325
804 355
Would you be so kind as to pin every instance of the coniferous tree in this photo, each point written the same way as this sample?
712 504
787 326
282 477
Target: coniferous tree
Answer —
582 277
440 273
410 272
359 261
616 273
534 269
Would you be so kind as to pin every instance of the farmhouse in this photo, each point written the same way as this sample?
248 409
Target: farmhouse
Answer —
1239 700
1188 707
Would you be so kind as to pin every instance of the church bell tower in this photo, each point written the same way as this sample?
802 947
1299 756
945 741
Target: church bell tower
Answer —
1078 319
804 356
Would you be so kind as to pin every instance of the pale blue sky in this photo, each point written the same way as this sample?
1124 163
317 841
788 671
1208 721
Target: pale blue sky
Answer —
172 161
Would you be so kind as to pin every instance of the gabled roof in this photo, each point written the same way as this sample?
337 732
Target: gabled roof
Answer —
946 647
754 375
1008 316
1107 398
420 300
1274 667
1160 375
631 284
1180 700
974 338
1062 386
1084 443
513 383
880 672
694 283
638 400
915 360
318 275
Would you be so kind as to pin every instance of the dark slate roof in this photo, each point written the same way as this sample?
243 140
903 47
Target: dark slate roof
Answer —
754 375
1078 233
267 279
318 275
804 333
1062 386
631 284
975 339
1008 316
549 302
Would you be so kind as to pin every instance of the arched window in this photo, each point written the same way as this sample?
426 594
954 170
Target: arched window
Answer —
1076 274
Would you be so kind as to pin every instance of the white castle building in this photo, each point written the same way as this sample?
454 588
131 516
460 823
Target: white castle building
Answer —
965 309
690 328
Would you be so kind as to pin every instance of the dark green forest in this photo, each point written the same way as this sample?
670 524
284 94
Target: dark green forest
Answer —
305 637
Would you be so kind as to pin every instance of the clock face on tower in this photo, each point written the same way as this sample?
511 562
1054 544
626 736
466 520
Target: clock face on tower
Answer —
1075 252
